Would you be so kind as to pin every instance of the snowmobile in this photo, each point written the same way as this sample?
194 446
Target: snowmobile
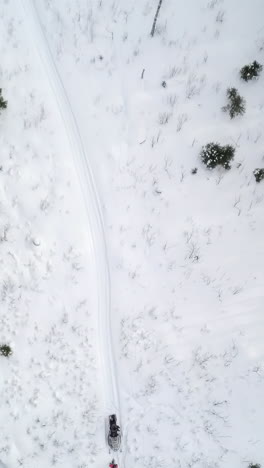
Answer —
113 464
114 433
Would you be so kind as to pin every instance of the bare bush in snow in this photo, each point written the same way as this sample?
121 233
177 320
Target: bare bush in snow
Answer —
220 16
171 100
164 118
181 120
194 85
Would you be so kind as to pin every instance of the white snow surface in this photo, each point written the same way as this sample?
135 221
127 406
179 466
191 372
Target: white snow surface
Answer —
98 200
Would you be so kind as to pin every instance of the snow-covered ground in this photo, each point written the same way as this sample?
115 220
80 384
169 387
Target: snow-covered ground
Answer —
51 394
185 250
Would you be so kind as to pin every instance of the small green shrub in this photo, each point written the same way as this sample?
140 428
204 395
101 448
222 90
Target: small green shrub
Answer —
254 465
259 174
236 104
3 103
251 71
213 155
5 350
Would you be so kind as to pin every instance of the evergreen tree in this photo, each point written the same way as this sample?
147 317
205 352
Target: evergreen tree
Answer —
259 174
236 104
213 155
5 350
251 71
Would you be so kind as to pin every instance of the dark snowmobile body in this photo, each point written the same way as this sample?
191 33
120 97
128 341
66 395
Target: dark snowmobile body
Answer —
114 434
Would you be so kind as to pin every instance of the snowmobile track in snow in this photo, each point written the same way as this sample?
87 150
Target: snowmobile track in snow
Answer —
95 226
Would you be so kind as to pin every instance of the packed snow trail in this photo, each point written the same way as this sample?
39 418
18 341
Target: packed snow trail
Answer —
95 226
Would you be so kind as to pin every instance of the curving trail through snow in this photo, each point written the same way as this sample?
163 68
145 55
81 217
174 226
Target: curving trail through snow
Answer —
95 226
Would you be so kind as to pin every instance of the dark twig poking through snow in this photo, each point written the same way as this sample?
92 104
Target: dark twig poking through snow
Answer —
155 19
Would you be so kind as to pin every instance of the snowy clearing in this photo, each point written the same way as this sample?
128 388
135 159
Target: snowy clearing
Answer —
178 247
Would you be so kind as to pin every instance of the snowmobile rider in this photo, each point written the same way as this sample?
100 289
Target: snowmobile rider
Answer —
113 464
115 429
